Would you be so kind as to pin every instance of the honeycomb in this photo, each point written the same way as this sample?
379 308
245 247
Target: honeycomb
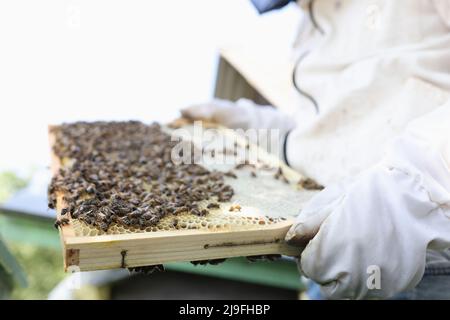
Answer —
256 196
215 221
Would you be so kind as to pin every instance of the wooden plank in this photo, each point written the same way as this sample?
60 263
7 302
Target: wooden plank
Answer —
162 247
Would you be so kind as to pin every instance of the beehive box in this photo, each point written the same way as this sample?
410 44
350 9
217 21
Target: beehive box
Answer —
253 222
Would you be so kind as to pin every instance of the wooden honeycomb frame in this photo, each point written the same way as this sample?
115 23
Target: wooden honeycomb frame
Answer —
220 234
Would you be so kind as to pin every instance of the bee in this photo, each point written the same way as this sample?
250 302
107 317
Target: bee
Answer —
309 184
279 173
180 210
213 262
235 207
213 205
134 214
147 269
199 262
61 222
125 221
90 189
231 174
225 196
93 177
134 201
240 166
52 204
104 226
266 257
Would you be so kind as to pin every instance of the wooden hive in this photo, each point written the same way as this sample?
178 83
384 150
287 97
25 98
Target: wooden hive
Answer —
267 209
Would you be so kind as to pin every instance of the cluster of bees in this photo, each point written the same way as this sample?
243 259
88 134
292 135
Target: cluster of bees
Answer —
122 173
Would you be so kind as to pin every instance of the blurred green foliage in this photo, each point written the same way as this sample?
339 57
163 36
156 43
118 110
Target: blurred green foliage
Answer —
5 284
10 183
10 272
43 267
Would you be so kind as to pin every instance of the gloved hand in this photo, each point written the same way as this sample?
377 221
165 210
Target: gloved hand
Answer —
245 115
242 114
383 221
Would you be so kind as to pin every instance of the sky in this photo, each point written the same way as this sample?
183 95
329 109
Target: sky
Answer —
69 60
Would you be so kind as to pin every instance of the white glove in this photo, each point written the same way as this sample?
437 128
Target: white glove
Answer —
242 114
245 115
384 219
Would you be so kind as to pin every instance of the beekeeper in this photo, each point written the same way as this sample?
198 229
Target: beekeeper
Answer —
373 126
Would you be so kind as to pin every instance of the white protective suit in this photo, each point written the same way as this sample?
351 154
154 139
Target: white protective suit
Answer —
379 71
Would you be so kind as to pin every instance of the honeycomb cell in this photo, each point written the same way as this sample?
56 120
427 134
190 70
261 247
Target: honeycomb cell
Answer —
215 220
